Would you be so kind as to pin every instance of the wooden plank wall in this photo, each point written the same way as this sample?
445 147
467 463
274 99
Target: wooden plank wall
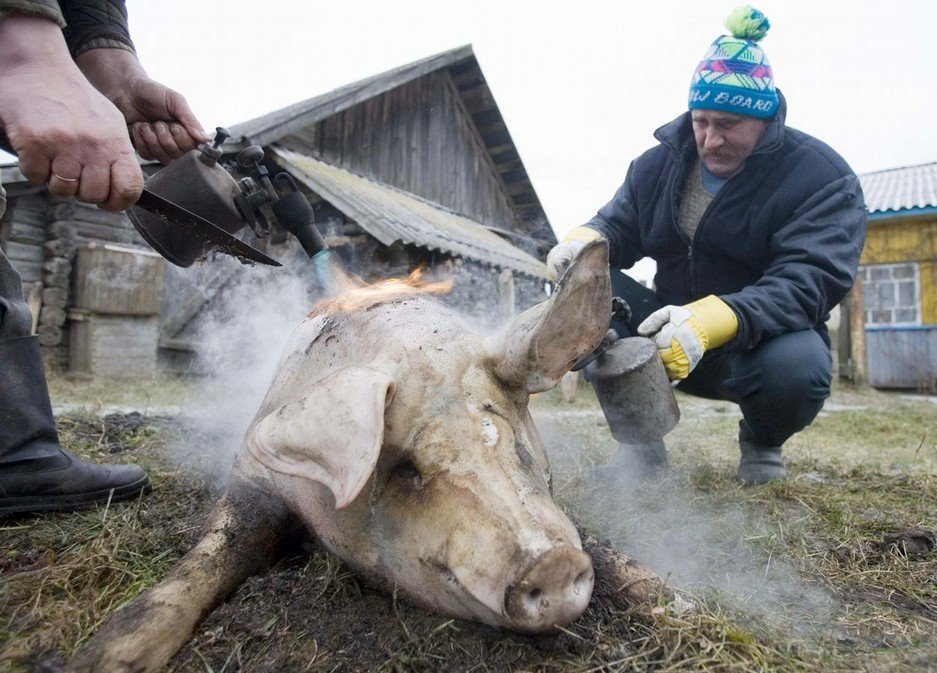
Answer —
903 358
93 225
415 137
120 346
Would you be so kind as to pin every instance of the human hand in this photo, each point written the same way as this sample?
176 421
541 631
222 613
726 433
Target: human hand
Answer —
162 125
562 254
64 132
683 333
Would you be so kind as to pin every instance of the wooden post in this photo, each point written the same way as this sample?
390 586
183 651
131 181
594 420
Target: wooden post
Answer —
856 318
506 292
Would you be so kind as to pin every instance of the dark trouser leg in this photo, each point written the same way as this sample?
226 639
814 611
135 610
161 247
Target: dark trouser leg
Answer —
35 474
15 318
780 386
27 429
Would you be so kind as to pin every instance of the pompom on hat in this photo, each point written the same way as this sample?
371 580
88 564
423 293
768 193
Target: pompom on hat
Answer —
735 75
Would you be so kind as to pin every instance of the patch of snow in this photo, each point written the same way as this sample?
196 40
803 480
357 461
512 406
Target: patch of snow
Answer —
920 398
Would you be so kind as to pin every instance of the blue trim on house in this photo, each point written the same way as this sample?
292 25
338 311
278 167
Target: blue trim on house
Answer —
900 328
904 212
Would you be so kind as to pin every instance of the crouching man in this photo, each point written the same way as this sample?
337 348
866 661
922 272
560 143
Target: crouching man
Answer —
756 229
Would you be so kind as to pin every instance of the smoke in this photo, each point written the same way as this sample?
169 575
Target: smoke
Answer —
703 544
238 339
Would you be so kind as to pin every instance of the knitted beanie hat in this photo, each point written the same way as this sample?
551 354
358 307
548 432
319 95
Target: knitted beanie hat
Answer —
735 75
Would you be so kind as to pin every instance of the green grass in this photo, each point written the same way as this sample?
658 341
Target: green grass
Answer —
832 570
140 394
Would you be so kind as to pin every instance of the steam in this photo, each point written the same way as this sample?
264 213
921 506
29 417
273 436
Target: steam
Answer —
703 545
239 340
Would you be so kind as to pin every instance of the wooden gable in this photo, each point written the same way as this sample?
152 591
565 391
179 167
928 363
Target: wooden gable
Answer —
419 138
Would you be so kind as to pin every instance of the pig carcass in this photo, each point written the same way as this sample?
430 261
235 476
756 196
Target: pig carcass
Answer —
402 440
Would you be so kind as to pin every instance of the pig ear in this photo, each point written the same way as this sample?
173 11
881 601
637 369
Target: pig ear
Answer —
332 435
542 343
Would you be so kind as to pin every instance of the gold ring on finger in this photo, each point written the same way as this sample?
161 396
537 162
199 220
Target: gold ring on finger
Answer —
56 175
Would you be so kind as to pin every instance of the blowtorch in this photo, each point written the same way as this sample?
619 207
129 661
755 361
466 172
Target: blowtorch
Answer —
194 207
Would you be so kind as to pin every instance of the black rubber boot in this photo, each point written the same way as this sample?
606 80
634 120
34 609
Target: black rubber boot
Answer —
36 475
758 464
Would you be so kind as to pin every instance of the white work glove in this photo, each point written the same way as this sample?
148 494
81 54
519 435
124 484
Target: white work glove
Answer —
683 333
563 253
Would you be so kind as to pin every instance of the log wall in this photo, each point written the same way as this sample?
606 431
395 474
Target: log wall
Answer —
40 234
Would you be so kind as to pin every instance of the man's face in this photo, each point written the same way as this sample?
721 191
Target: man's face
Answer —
724 140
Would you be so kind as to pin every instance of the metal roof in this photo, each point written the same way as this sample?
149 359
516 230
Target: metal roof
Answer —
900 189
390 214
474 94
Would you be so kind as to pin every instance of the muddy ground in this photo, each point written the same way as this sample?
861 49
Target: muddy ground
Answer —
834 570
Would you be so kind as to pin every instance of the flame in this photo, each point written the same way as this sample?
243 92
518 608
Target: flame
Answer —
350 292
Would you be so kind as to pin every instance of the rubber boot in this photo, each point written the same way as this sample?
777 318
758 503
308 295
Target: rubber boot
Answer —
758 464
633 462
36 475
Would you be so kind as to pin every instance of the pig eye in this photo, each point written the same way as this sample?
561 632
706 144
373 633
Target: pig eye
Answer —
407 472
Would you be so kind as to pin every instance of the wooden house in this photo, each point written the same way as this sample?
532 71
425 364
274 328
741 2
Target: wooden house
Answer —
411 167
898 271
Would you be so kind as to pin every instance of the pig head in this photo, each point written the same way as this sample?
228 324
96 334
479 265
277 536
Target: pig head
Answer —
402 439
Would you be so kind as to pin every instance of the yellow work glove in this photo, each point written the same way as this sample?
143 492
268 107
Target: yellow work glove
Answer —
565 252
683 333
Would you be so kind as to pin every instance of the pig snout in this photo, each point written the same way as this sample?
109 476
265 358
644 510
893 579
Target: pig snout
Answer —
553 591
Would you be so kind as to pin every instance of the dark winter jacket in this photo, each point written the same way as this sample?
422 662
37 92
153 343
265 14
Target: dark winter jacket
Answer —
87 24
779 243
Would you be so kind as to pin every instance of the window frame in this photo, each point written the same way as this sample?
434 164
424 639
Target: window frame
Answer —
865 276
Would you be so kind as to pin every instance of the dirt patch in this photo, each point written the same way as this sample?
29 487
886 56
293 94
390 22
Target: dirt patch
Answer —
309 614
911 542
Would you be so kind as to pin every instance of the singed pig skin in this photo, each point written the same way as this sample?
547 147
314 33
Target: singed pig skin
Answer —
402 440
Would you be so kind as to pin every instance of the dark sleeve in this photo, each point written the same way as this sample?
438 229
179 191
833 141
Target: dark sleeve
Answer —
47 9
815 256
95 24
617 221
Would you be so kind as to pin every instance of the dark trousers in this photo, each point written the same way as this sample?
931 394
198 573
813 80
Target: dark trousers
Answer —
780 385
15 318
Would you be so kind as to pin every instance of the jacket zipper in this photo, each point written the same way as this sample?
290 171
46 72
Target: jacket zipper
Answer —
689 253
675 217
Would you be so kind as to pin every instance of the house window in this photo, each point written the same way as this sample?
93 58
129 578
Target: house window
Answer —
891 293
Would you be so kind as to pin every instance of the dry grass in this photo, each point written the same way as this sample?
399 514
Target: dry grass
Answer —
831 571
